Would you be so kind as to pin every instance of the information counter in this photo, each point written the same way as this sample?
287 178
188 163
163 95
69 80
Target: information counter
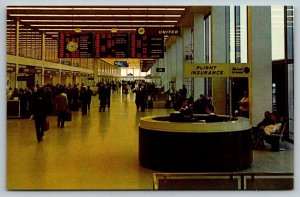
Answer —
195 146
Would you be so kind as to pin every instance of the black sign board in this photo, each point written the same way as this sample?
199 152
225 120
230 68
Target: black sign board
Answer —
83 45
148 46
160 70
66 73
11 68
110 45
30 69
145 65
52 72
171 31
114 45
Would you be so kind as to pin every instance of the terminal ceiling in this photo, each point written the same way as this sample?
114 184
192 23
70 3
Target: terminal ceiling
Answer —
54 19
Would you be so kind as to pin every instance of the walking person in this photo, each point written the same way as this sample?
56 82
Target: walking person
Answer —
108 93
102 97
61 106
40 108
140 99
89 97
84 100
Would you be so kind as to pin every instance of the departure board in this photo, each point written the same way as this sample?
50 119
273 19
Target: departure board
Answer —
74 45
111 45
147 46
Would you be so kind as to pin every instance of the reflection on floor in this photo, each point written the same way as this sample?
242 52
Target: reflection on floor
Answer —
96 151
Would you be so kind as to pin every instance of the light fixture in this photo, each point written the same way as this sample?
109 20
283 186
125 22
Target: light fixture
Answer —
77 30
114 30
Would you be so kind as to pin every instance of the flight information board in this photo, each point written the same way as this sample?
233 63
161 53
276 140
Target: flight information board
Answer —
147 46
110 45
114 45
73 45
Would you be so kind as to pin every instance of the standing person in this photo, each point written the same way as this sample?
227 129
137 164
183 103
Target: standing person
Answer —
184 92
108 93
89 97
244 105
75 98
84 100
61 106
102 97
40 108
140 99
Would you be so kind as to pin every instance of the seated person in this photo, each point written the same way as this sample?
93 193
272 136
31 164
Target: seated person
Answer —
176 116
257 132
212 117
266 121
186 111
275 126
263 131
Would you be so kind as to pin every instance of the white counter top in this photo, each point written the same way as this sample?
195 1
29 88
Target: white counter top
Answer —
195 127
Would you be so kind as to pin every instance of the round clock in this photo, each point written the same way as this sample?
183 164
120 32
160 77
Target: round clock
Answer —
72 46
141 31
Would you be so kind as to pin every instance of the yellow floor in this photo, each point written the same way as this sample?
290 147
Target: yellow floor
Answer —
97 151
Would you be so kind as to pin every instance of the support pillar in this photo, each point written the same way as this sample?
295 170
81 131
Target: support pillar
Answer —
179 62
219 55
261 59
198 51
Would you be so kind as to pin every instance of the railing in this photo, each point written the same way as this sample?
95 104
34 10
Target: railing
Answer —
223 181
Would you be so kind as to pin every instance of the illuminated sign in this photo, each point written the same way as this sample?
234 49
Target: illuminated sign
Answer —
217 70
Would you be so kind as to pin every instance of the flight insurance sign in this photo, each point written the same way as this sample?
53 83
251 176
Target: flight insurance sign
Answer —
217 70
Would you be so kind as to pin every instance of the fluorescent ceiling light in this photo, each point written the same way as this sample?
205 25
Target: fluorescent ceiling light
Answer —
102 25
72 29
93 8
100 15
104 21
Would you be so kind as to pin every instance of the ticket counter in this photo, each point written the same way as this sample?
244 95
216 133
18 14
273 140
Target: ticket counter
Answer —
195 146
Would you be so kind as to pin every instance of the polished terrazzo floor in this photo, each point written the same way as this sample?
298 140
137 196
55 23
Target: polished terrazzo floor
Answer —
98 151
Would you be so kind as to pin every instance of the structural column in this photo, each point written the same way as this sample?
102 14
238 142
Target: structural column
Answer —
95 70
173 65
168 69
188 49
179 62
17 48
43 58
260 56
219 55
198 51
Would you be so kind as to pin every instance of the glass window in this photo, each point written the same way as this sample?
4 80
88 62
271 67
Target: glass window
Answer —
277 14
290 31
123 72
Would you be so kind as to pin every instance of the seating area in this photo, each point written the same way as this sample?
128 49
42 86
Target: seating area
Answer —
223 181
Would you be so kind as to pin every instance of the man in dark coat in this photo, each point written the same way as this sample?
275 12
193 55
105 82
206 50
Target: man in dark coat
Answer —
40 108
102 97
212 117
89 97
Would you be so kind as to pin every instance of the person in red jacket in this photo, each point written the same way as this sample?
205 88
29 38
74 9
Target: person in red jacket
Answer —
61 106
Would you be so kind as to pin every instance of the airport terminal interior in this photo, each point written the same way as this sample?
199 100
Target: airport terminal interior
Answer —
150 97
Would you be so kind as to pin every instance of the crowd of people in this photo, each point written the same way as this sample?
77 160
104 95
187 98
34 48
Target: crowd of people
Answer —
39 102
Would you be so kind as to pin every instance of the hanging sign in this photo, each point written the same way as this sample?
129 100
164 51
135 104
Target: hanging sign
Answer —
217 70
